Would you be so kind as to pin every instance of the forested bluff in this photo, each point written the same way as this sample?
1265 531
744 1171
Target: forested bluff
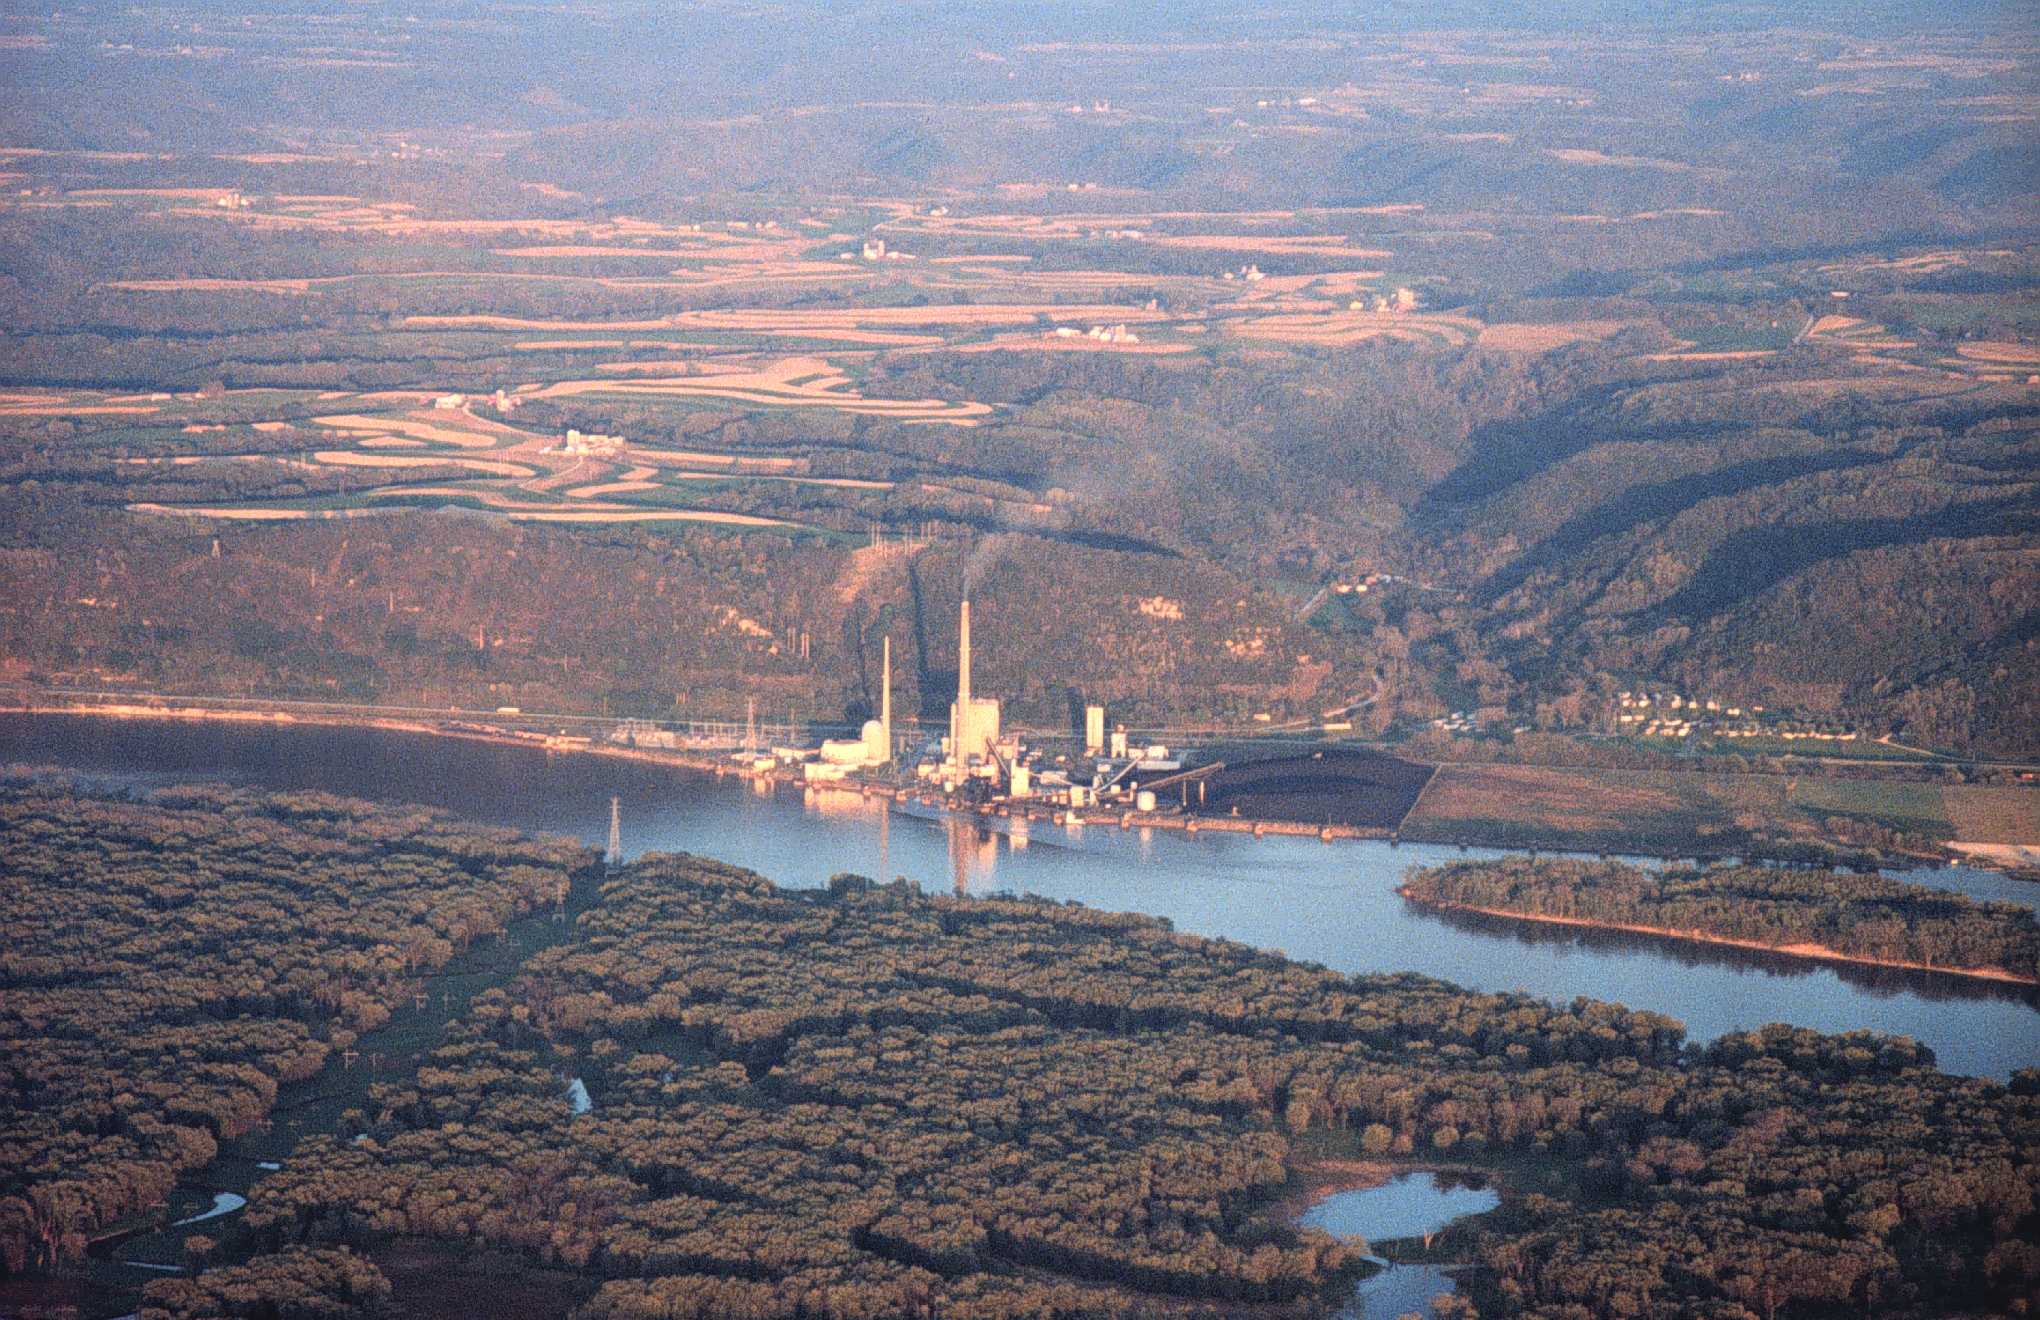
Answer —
1868 918
866 1101
1567 568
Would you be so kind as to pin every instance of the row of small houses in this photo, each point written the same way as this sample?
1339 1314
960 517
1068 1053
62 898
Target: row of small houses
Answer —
1667 728
1640 701
1790 733
1638 709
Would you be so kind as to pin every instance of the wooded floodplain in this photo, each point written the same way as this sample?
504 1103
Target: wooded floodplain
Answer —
866 1101
863 1100
168 962
1866 917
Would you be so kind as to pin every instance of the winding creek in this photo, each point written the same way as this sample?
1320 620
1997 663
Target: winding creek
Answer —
1328 903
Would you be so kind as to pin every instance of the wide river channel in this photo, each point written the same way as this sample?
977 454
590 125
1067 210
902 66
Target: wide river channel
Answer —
1330 903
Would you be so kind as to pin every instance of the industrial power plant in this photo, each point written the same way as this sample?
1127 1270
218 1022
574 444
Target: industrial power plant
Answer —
979 762
975 764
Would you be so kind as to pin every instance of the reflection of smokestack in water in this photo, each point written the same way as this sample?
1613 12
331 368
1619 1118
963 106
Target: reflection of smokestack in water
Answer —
973 856
959 856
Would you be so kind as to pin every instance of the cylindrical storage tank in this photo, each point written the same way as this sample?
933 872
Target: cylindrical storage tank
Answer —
1144 800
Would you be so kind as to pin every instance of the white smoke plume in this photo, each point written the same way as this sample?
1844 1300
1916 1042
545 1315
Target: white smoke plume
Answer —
983 557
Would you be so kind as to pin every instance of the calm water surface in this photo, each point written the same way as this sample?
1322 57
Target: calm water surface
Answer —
1397 1291
1407 1206
1328 903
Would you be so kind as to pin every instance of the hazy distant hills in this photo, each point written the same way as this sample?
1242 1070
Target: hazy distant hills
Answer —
1714 370
627 101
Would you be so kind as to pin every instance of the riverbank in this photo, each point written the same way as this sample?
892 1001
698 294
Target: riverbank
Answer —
465 729
1605 834
1333 905
1816 952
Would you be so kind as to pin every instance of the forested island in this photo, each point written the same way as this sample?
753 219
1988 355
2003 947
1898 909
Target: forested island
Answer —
168 963
1815 913
866 1101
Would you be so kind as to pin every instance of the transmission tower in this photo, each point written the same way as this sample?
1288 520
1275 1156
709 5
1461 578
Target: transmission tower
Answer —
614 857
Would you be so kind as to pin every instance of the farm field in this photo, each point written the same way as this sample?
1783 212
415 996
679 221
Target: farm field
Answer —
1631 399
1993 816
659 329
1679 811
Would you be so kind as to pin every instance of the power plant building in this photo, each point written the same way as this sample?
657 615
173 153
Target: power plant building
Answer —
973 721
873 744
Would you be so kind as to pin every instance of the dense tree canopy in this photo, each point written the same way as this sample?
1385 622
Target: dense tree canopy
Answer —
298 1284
1857 916
871 1102
169 961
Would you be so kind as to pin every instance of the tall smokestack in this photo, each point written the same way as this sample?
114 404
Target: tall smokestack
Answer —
963 660
885 699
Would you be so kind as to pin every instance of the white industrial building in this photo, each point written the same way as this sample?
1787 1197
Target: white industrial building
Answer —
973 721
873 744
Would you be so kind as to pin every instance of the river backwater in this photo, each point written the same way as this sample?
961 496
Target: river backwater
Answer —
1407 1206
1329 903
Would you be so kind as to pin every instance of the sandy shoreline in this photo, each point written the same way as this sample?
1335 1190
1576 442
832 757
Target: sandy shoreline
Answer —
1818 952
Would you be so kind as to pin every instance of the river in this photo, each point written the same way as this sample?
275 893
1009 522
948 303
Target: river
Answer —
1327 903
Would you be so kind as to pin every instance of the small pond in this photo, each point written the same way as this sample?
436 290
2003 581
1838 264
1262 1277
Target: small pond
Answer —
1410 1205
224 1203
1407 1206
